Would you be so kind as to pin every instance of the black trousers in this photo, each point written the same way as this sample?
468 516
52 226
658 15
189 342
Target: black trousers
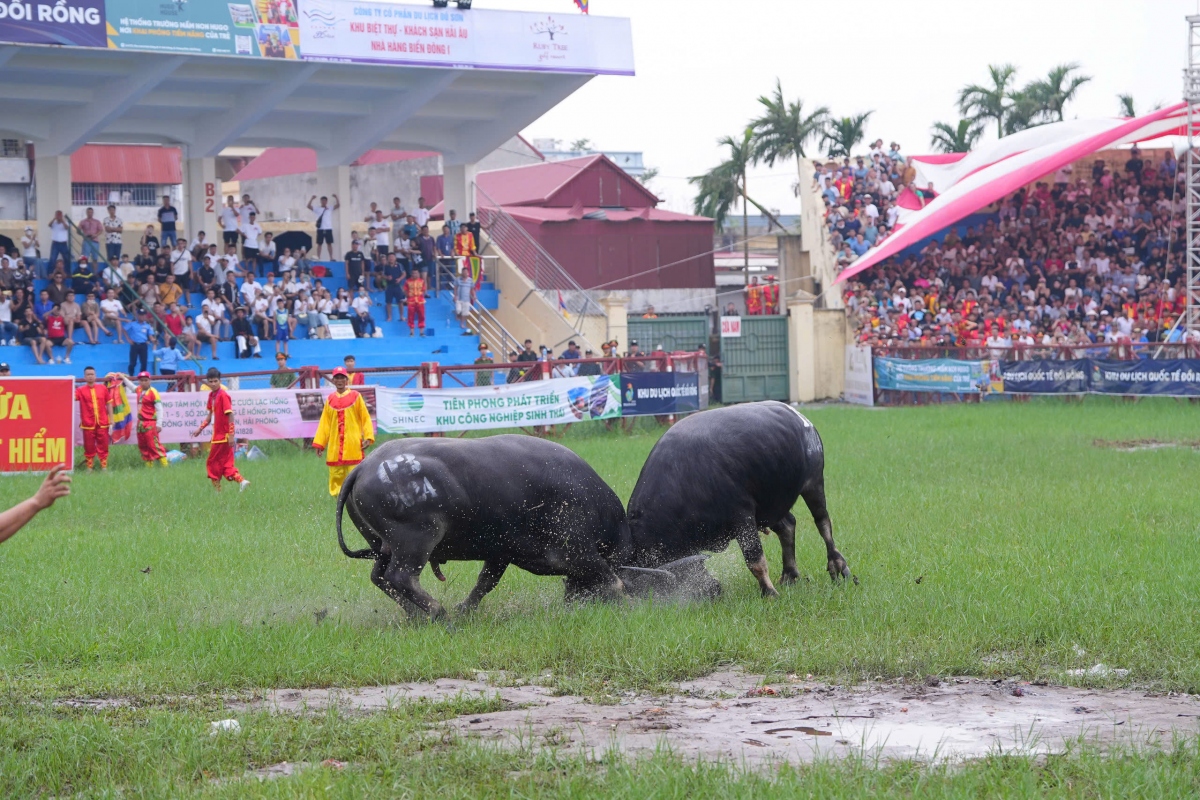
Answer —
138 353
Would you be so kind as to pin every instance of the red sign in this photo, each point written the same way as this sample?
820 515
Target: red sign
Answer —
731 327
37 421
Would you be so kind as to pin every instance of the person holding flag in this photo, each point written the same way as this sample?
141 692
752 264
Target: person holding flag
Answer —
465 247
345 431
147 400
94 402
771 296
415 289
220 415
122 413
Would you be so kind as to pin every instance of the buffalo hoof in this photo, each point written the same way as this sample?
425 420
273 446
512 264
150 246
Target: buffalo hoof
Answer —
789 577
463 609
769 592
838 570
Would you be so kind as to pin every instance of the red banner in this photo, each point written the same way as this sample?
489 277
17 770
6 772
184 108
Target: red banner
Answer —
37 420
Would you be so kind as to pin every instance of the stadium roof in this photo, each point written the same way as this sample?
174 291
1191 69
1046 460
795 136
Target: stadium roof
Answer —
339 87
276 161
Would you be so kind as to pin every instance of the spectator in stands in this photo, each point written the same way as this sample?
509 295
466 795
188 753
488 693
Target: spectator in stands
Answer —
150 243
572 351
170 292
8 328
362 323
396 216
58 290
483 377
56 336
453 224
30 249
268 257
167 357
425 247
324 222
356 263
287 262
634 353
206 333
285 323
60 239
383 235
405 253
83 277
420 214
395 275
527 355
341 305
246 342
33 334
91 229
230 222
589 367
43 305
473 227
181 264
168 215
251 241
72 314
464 298
445 249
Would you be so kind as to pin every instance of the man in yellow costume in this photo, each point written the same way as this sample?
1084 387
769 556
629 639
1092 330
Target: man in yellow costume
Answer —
345 431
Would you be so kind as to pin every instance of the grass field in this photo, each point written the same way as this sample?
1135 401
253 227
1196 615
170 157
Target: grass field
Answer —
1031 544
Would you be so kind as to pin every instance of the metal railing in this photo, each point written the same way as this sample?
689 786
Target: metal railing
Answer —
1117 351
541 268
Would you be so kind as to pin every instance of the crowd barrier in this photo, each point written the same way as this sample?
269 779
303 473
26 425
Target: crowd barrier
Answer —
916 375
407 400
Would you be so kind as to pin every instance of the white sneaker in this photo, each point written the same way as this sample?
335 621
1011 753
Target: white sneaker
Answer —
242 486
57 359
67 360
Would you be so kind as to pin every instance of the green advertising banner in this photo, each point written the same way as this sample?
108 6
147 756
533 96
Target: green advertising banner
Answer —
263 28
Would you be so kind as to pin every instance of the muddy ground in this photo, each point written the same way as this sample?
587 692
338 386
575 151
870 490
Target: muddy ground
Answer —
731 715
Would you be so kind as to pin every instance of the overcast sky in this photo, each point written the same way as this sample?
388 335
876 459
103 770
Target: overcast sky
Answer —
701 65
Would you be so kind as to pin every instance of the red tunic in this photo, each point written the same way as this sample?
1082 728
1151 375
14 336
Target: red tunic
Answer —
147 402
93 406
358 379
221 407
415 289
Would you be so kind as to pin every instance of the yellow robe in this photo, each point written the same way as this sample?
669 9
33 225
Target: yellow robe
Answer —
345 425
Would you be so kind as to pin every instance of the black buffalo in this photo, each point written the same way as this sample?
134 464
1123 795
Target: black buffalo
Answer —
501 500
725 475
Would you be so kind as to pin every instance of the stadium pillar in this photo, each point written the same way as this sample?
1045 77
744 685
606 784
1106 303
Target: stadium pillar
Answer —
202 198
331 181
52 183
458 181
802 348
616 307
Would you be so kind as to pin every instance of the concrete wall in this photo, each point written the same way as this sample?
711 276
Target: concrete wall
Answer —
830 356
822 261
526 314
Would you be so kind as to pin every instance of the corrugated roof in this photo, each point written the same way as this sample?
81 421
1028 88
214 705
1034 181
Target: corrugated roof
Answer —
126 163
277 161
551 214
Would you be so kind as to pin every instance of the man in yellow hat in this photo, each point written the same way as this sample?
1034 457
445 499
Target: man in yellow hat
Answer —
345 431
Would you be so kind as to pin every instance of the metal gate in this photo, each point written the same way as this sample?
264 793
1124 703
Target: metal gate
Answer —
673 333
755 364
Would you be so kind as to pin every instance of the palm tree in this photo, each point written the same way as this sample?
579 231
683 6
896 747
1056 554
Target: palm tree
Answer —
1025 110
978 102
783 129
841 135
961 138
720 187
1126 101
1058 88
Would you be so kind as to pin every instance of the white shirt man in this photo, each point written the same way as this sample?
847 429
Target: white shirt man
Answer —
287 262
245 209
252 231
262 307
383 234
59 232
230 219
397 214
421 214
250 290
181 259
111 308
361 302
204 324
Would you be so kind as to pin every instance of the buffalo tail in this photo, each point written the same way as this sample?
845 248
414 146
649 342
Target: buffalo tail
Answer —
347 487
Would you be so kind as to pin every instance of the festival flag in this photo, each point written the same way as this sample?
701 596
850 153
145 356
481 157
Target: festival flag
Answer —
122 413
562 306
476 264
583 5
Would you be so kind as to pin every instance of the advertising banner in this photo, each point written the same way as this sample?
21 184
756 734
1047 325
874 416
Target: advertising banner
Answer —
731 327
646 393
511 405
934 375
266 28
1044 377
1175 377
860 387
79 23
38 420
390 33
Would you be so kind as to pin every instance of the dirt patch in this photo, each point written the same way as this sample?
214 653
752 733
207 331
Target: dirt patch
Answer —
1132 445
731 715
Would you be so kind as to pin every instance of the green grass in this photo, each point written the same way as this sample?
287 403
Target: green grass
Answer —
1029 541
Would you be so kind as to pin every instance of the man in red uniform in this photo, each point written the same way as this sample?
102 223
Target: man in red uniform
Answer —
771 295
415 288
754 298
94 401
220 414
356 378
148 399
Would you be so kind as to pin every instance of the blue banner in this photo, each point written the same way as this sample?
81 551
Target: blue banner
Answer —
933 375
645 393
1173 377
1045 377
79 23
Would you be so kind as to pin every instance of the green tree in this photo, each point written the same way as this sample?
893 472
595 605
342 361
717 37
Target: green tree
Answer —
783 129
718 189
1053 92
946 138
1025 110
648 174
842 134
581 144
1126 101
980 102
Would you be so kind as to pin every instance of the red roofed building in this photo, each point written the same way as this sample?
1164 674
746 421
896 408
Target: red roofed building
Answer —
600 224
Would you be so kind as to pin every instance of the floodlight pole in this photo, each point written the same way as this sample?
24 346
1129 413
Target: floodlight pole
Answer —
1191 95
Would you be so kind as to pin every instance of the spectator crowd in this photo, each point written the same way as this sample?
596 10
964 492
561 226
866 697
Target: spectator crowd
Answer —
1075 259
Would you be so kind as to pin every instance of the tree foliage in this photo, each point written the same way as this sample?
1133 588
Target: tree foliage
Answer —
842 134
960 138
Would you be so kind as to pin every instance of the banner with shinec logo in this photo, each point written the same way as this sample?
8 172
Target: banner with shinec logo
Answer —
37 420
510 405
79 23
